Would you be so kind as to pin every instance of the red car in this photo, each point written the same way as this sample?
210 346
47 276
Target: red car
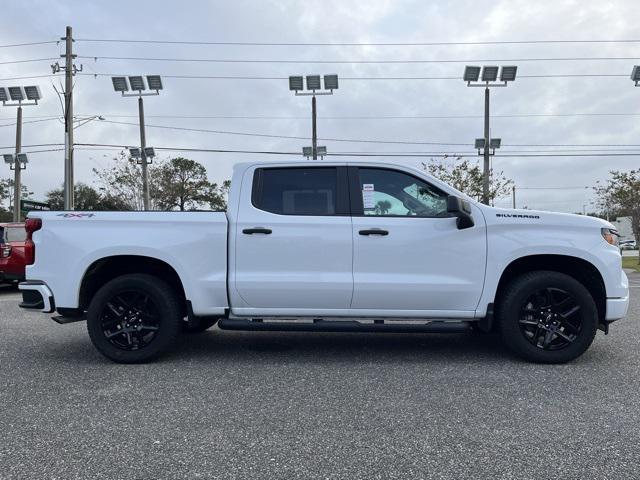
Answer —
13 252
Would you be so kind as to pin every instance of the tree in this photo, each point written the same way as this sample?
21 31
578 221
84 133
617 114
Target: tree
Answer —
85 198
467 177
183 184
180 184
123 180
6 194
621 194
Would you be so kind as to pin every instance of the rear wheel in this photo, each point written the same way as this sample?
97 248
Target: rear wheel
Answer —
547 317
133 318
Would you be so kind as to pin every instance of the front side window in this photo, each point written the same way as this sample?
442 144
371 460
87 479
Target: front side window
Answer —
296 191
393 193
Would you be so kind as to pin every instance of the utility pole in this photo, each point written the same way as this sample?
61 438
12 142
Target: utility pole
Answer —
513 196
17 182
143 157
68 122
314 133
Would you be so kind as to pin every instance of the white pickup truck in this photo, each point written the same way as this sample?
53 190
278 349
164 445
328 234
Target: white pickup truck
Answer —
328 246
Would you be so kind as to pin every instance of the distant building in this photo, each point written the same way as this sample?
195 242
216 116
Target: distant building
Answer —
623 225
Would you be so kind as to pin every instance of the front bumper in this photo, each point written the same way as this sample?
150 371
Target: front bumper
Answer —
617 306
37 296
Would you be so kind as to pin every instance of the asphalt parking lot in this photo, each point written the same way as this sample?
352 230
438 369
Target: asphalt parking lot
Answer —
280 405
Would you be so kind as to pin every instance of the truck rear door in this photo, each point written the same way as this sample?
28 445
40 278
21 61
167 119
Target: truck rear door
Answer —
293 242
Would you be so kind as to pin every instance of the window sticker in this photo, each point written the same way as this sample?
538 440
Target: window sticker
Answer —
367 196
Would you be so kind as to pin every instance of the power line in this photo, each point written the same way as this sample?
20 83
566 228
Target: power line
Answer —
36 145
30 121
342 78
290 137
11 62
29 77
356 44
368 117
28 44
334 154
324 62
351 140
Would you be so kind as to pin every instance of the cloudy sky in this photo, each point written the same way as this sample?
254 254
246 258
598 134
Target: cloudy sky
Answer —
534 114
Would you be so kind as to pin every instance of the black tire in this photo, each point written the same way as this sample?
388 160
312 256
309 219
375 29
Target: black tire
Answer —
134 318
202 325
547 317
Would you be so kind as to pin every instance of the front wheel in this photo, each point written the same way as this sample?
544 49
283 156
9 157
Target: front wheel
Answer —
133 318
547 317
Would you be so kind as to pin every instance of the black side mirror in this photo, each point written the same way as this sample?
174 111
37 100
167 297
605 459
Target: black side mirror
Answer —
461 209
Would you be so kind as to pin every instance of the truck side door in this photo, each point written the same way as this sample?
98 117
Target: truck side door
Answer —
293 242
409 256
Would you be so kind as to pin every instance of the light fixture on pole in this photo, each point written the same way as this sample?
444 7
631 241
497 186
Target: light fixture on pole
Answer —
487 77
635 75
19 160
314 87
136 85
20 96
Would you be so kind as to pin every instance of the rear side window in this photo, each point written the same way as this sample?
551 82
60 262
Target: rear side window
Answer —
16 234
297 191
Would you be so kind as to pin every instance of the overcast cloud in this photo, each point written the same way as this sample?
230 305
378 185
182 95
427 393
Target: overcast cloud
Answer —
335 21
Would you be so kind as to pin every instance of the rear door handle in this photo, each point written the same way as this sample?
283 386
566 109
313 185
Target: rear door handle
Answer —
374 231
251 231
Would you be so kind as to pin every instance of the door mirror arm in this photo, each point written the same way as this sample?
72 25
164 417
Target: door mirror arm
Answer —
461 209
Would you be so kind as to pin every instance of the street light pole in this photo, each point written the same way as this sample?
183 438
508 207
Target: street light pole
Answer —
485 172
137 83
314 133
488 79
17 188
143 157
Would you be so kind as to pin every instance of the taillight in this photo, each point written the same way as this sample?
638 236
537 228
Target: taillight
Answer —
5 250
31 225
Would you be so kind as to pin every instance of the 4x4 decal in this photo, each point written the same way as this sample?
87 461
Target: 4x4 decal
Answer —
76 215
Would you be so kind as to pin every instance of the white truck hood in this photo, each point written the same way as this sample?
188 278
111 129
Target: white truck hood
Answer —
510 216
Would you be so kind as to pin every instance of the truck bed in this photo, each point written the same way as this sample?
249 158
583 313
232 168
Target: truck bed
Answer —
194 244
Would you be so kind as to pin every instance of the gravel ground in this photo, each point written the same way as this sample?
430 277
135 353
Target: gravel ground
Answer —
282 405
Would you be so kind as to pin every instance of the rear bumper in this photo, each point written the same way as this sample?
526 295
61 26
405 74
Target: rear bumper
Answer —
37 296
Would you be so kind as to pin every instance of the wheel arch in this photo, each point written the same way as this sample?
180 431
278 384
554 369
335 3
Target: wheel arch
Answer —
107 268
582 270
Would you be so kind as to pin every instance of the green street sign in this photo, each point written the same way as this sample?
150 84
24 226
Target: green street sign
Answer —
30 205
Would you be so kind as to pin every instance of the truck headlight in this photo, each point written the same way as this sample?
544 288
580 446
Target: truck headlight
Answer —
610 235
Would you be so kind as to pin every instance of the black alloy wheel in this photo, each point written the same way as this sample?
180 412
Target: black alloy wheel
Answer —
134 318
547 317
130 320
550 319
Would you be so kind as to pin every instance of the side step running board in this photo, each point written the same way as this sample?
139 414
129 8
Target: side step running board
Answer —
342 326
64 320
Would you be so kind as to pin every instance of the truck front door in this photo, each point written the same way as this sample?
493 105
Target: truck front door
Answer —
410 258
